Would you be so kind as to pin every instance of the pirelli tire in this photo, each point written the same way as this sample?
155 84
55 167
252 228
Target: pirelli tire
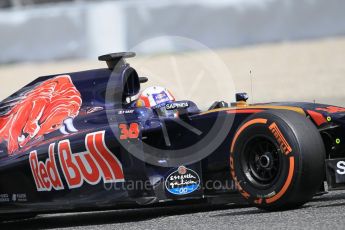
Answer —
277 160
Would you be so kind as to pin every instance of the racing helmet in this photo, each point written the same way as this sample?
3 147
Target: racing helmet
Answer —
155 96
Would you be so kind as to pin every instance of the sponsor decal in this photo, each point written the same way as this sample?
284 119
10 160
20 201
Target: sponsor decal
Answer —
284 145
341 167
47 107
335 172
95 164
19 197
4 198
176 105
183 181
160 97
123 112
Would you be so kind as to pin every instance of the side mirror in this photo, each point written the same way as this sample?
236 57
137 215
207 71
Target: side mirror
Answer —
242 97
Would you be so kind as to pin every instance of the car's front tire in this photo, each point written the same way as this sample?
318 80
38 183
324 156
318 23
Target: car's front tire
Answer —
277 160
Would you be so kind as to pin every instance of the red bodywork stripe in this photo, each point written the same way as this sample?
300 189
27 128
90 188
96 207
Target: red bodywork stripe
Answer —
318 118
244 111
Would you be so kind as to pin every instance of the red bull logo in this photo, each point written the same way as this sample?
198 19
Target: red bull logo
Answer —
95 164
49 106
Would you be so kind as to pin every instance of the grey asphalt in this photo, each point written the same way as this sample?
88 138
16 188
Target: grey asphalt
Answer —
326 212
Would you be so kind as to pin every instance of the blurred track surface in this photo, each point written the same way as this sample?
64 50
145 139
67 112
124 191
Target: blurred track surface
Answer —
326 212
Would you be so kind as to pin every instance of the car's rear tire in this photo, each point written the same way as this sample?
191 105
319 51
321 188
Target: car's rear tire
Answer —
277 160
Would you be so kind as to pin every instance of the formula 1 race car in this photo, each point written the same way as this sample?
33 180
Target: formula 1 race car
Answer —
93 140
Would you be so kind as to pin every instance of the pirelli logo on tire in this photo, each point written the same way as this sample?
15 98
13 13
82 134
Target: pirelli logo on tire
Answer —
284 145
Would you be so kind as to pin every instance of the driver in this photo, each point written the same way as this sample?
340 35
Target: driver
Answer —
155 97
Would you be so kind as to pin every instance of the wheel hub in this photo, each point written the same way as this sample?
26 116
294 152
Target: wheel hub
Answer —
262 161
265 160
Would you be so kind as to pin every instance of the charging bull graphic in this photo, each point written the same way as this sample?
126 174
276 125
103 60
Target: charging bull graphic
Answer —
49 106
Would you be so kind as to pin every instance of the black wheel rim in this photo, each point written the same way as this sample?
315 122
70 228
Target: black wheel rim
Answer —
261 162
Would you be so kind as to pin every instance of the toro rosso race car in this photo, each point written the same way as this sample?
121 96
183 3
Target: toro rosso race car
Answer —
93 140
